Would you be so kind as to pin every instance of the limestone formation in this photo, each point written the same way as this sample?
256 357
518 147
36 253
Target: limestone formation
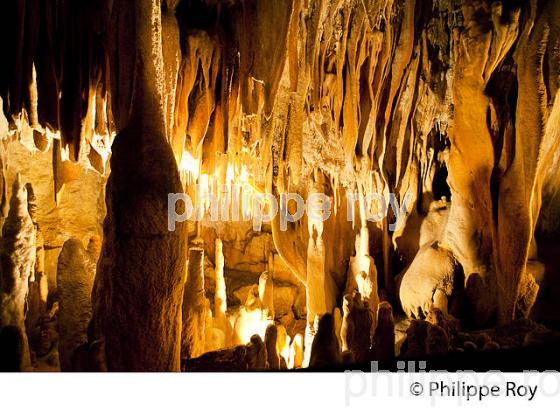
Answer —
416 336
356 327
17 260
429 128
362 274
325 351
75 283
527 296
141 258
437 342
220 296
320 293
256 354
296 352
384 339
427 280
194 310
283 342
251 319
214 338
266 295
338 320
450 324
38 281
271 344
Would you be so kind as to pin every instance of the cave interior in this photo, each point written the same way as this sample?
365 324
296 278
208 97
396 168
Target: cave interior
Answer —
154 153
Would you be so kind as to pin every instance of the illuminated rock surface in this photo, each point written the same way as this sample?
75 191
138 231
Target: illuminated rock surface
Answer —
447 110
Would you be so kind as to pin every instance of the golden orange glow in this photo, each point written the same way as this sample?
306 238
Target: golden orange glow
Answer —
250 322
189 167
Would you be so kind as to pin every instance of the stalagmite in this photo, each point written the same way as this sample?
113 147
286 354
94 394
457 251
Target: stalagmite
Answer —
38 282
319 288
319 298
220 297
17 260
448 323
325 351
296 352
141 257
283 346
356 327
437 342
75 283
214 338
416 337
271 341
362 274
384 339
256 353
194 307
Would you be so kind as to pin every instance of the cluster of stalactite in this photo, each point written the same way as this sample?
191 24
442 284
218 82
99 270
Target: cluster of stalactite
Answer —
451 104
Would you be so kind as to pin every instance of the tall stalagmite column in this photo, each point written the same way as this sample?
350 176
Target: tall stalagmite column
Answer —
139 286
220 297
17 259
194 307
74 279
